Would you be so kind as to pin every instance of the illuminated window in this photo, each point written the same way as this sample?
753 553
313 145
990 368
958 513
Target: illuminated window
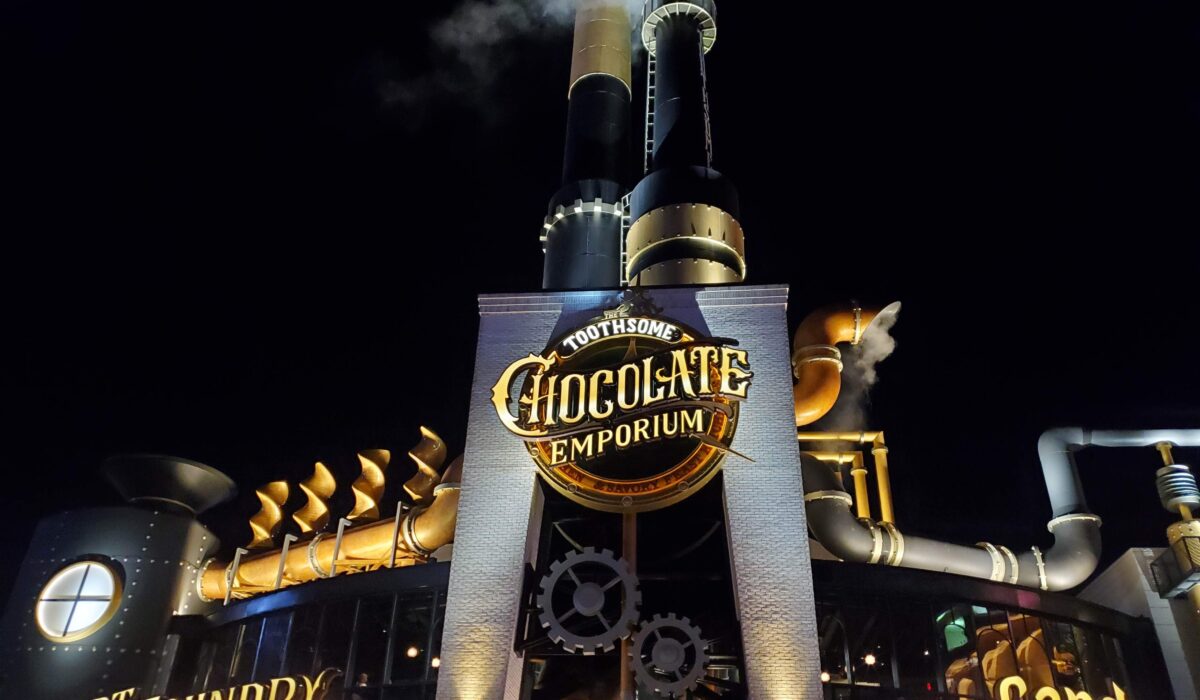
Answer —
77 601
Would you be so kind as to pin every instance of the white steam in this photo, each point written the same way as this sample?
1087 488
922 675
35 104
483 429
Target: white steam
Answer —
860 372
473 46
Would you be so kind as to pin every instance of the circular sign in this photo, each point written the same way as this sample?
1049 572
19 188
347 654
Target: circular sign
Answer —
627 414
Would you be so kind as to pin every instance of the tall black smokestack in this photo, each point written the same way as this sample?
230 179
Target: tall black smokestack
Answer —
582 237
685 228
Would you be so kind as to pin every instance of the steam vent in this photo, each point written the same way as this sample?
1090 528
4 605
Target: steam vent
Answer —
645 507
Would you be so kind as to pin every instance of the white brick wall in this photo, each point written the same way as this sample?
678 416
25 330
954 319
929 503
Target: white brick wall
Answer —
768 532
494 513
765 511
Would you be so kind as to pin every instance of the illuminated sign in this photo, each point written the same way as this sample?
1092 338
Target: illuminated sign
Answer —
1015 688
286 688
627 413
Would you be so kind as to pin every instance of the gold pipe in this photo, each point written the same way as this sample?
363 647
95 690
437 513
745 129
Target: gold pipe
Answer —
1164 449
862 437
879 451
884 480
603 42
816 361
858 470
422 531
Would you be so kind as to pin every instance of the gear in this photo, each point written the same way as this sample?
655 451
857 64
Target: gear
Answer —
602 592
668 655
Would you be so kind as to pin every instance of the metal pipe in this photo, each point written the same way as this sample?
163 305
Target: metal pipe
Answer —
879 451
583 228
1066 565
1072 559
816 359
862 499
628 552
422 531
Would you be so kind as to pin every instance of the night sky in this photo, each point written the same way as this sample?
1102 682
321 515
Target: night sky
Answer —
252 234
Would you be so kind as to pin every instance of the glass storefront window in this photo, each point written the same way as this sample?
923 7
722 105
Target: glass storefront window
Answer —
371 636
411 653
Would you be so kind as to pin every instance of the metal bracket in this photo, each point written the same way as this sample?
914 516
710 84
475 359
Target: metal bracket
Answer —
337 545
395 535
231 574
287 542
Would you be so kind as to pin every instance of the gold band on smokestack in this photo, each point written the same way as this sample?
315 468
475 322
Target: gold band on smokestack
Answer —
686 244
816 360
603 42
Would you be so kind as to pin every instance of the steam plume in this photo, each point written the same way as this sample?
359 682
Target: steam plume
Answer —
860 373
472 48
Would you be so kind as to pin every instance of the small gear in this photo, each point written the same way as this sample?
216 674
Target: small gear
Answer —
668 655
602 593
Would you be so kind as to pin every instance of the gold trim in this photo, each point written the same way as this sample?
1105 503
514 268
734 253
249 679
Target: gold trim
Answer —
703 224
109 613
876 540
829 496
896 555
603 43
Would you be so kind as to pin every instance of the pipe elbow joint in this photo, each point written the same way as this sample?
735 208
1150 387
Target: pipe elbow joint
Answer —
426 530
1076 551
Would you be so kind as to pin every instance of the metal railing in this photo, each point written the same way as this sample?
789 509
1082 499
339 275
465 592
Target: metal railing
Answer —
1177 569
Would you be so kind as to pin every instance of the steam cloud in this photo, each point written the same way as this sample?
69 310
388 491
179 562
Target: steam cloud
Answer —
472 49
860 374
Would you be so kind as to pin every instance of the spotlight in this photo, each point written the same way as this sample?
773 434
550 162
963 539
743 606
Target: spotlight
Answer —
436 662
825 677
413 652
869 659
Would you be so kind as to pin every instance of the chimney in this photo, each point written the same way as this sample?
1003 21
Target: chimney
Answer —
582 232
685 228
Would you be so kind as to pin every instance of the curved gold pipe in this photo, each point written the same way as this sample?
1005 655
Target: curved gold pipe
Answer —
313 516
368 546
429 454
264 525
369 486
816 360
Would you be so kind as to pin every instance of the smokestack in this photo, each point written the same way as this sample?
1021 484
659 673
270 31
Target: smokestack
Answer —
685 228
582 232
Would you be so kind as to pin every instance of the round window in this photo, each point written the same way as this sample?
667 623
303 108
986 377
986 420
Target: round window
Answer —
77 601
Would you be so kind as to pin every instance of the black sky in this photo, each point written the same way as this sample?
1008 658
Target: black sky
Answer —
227 239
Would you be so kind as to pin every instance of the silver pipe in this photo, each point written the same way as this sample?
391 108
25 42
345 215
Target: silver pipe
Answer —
1073 558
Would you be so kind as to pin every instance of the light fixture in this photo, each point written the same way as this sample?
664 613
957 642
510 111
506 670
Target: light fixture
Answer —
77 601
825 677
413 652
869 659
436 662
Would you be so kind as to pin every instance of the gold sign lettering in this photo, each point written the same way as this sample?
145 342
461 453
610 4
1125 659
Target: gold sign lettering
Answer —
285 688
619 385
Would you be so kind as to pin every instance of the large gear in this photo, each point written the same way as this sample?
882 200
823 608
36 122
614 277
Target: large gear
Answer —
605 596
668 655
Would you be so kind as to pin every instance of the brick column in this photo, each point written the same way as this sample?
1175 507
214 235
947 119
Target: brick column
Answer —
764 503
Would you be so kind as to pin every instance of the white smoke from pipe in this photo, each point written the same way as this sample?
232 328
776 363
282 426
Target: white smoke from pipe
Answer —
473 47
860 373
